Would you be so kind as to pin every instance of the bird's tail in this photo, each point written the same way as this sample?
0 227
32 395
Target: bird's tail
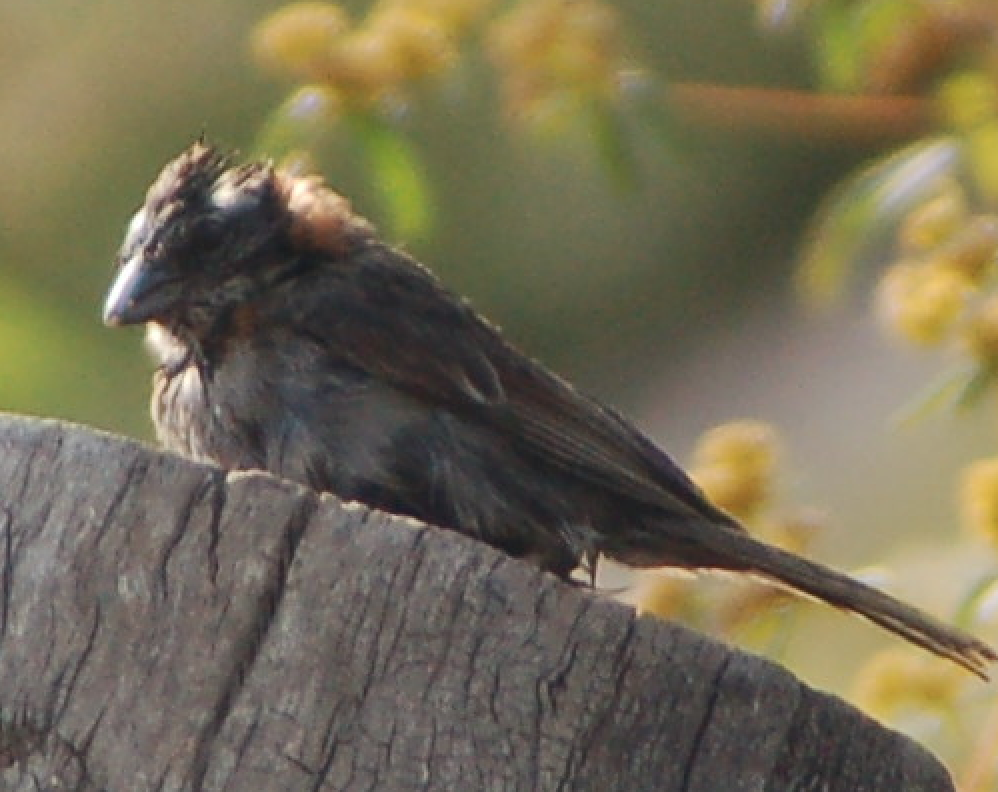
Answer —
741 552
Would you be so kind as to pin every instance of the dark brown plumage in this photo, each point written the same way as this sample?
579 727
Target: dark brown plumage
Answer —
291 339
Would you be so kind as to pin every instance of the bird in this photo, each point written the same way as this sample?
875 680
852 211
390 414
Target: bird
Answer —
290 338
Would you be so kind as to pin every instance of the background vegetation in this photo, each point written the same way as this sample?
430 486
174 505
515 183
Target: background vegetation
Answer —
638 207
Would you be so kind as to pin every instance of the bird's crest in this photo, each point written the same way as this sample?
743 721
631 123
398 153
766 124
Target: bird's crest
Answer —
190 175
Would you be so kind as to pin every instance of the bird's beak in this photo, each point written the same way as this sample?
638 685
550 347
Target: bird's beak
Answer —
139 293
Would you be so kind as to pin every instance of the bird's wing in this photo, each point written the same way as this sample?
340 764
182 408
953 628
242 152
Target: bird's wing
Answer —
402 328
575 433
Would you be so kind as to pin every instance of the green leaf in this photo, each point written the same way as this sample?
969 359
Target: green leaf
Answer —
956 389
860 212
834 243
397 173
299 123
614 147
982 591
643 97
853 36
838 47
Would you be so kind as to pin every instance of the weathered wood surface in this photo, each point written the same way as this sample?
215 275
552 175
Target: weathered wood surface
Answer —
164 626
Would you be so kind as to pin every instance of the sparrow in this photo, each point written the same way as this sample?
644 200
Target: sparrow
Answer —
290 338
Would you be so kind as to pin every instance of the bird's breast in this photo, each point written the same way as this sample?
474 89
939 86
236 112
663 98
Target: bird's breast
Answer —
187 419
181 411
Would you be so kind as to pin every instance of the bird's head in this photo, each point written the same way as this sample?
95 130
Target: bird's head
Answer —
212 233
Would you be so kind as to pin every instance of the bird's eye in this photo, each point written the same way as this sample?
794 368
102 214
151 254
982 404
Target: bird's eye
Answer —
206 237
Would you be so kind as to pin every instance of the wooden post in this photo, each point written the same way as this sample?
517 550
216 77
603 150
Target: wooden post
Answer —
165 626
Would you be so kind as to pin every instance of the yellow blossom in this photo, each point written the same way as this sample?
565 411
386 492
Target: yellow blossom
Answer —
971 251
298 38
548 47
921 303
454 15
982 153
968 100
667 596
899 680
795 533
734 465
421 43
979 499
930 224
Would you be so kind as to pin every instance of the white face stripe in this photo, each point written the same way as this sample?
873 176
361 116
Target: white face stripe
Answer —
134 228
228 195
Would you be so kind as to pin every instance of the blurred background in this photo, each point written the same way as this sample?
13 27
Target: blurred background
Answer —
671 298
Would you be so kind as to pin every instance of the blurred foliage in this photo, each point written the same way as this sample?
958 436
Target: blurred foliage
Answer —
497 136
929 211
738 465
928 215
558 65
